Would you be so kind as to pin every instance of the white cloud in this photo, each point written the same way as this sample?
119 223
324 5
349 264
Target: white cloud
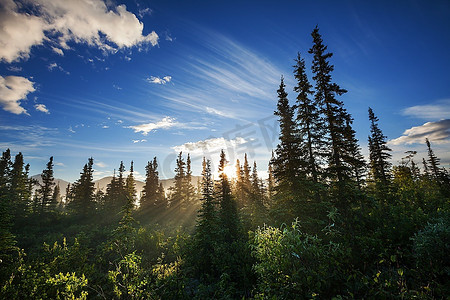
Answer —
13 89
100 164
436 132
71 129
214 111
165 123
53 66
436 111
58 51
207 145
41 108
157 80
61 22
143 12
139 141
105 126
14 69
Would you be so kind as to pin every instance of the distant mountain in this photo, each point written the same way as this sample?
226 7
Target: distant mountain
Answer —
103 182
62 184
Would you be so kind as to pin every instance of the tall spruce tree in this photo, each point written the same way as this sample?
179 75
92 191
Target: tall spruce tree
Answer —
288 166
20 192
310 123
82 192
189 188
228 211
7 239
379 155
287 161
178 189
433 162
342 153
270 181
151 195
45 190
205 237
130 185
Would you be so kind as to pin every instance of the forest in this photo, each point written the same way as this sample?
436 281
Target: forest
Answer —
326 223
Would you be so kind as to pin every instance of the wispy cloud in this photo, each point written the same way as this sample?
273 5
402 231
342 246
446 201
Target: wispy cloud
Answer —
53 66
23 138
41 108
157 80
437 132
139 141
225 78
208 145
61 22
100 164
14 68
13 89
165 123
435 111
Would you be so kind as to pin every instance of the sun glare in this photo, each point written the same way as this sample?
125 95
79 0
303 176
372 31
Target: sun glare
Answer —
230 171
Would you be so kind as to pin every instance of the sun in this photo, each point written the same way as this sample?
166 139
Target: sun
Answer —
230 171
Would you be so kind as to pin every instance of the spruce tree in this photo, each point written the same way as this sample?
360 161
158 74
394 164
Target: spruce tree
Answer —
270 181
310 124
205 237
433 162
288 166
178 189
20 193
189 190
46 188
287 160
343 154
228 210
82 192
7 239
150 195
130 185
379 155
332 109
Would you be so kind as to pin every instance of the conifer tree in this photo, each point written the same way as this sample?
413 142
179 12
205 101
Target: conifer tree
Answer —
189 188
246 181
20 192
439 174
150 195
433 162
115 197
342 153
228 211
331 108
7 239
178 189
379 156
82 192
46 188
130 185
287 162
309 121
205 237
270 180
352 155
239 189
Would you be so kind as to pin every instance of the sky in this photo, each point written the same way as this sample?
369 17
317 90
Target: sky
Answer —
130 80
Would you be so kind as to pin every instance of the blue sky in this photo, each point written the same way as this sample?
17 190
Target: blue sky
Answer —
129 80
